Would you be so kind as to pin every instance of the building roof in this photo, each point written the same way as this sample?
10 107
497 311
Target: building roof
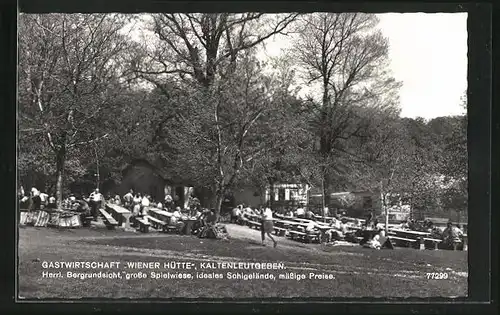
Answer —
161 172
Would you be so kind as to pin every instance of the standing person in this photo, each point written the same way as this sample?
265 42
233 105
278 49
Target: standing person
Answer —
145 204
326 212
95 202
369 219
43 200
136 204
168 201
35 197
267 226
20 193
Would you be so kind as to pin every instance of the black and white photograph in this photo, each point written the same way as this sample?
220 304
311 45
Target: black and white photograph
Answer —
242 155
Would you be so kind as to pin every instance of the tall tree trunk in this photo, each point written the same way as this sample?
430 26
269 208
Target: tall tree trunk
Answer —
326 190
218 203
271 194
60 161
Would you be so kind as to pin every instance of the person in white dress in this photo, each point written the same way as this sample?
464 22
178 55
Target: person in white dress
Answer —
267 226
145 204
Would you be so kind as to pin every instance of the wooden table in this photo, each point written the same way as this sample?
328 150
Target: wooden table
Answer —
319 217
412 234
120 214
160 214
407 235
302 220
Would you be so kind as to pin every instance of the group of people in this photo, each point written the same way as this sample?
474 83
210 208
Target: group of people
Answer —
240 212
36 199
339 226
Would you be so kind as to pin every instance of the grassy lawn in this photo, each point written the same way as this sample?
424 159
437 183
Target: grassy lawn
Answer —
356 272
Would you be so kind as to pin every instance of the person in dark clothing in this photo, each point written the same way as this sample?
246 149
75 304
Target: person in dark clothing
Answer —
369 218
209 221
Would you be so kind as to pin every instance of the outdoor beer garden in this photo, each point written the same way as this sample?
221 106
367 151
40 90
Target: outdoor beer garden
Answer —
295 223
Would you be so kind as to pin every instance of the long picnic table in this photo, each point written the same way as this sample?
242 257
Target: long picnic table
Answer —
408 237
120 214
160 214
412 234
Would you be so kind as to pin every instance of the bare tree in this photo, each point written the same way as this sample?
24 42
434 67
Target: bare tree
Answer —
68 75
226 132
347 56
204 46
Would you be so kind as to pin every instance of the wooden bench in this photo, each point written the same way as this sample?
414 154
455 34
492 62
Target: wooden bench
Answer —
308 237
407 241
280 231
156 223
143 225
254 224
86 220
434 241
108 219
171 228
296 234
313 236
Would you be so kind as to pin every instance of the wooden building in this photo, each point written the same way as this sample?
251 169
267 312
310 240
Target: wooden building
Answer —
143 177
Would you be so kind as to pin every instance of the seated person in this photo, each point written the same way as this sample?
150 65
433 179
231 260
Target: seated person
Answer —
197 213
75 205
300 212
311 227
235 214
25 202
118 200
52 203
379 241
136 210
241 217
177 213
175 221
209 220
200 223
82 207
334 223
452 236
429 226
341 230
309 214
